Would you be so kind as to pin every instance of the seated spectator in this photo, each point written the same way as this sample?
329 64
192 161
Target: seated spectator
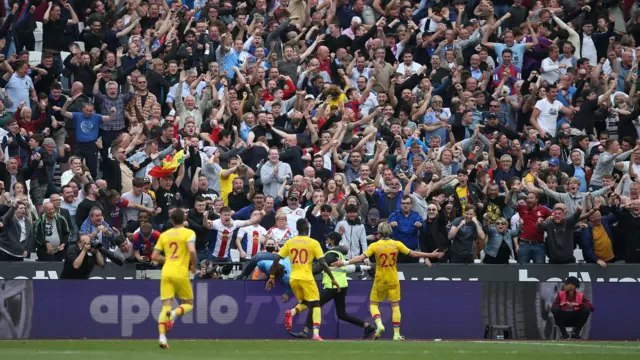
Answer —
571 308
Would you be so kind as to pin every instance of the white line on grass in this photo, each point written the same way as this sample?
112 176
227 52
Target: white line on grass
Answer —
560 344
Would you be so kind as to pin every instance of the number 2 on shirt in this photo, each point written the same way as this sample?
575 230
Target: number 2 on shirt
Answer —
392 260
299 256
174 247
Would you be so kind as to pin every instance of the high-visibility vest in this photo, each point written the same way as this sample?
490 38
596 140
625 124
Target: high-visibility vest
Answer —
339 273
578 300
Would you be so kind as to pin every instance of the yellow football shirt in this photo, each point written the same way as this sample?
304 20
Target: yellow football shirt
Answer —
226 187
301 251
173 243
386 252
463 196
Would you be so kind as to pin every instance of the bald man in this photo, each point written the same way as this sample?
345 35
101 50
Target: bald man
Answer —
52 235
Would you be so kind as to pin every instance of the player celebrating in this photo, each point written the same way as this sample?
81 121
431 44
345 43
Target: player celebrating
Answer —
386 283
337 252
179 247
301 250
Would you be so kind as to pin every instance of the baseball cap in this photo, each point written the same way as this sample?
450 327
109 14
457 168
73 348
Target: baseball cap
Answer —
562 135
309 97
572 280
554 162
147 180
492 115
373 214
293 195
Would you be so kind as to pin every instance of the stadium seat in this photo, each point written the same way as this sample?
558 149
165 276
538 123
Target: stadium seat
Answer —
35 57
38 36
577 253
235 255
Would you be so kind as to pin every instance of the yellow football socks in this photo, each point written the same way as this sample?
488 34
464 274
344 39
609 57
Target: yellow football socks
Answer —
298 309
317 319
162 319
375 314
396 317
183 309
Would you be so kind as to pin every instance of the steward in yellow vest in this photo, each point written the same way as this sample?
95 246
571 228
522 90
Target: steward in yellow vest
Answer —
336 252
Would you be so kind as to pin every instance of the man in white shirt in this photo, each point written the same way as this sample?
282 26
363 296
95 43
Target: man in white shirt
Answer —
545 114
551 68
588 44
408 67
293 211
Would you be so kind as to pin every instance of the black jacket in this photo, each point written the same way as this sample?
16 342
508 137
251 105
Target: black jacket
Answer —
39 231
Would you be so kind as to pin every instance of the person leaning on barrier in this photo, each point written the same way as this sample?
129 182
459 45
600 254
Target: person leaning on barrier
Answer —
81 258
571 308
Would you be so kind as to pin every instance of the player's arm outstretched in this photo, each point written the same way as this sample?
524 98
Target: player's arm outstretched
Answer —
432 255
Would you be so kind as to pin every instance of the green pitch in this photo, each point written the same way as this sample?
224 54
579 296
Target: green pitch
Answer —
307 350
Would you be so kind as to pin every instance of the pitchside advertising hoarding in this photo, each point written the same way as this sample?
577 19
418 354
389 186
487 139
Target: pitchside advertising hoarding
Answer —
413 272
244 310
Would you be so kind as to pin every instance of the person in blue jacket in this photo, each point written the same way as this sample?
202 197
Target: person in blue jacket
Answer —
282 275
596 239
406 224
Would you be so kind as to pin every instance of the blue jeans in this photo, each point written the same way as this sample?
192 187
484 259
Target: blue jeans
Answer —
202 254
530 251
500 10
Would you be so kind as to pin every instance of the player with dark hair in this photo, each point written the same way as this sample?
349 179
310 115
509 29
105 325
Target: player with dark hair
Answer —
336 252
301 250
179 247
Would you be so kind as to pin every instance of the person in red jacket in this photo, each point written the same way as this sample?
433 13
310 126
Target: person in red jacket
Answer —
571 308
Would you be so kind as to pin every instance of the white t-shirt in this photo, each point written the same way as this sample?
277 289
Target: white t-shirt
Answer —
255 233
292 217
548 117
413 68
223 238
280 236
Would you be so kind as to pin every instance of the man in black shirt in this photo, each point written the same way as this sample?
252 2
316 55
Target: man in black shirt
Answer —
89 202
238 198
93 37
81 259
53 32
167 196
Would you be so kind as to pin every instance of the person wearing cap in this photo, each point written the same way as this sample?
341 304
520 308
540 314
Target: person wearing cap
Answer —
571 309
371 226
329 292
293 210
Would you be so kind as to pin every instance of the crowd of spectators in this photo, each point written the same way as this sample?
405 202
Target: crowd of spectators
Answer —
502 130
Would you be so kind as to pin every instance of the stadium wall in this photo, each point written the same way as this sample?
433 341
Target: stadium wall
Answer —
120 309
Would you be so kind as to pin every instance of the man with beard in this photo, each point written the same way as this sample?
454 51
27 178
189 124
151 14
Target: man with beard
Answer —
322 173
494 203
530 245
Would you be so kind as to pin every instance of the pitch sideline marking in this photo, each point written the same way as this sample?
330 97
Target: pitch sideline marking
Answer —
631 347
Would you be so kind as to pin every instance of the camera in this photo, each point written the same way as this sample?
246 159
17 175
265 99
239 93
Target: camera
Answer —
215 271
97 245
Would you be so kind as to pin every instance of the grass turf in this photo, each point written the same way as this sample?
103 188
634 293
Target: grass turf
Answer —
284 350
